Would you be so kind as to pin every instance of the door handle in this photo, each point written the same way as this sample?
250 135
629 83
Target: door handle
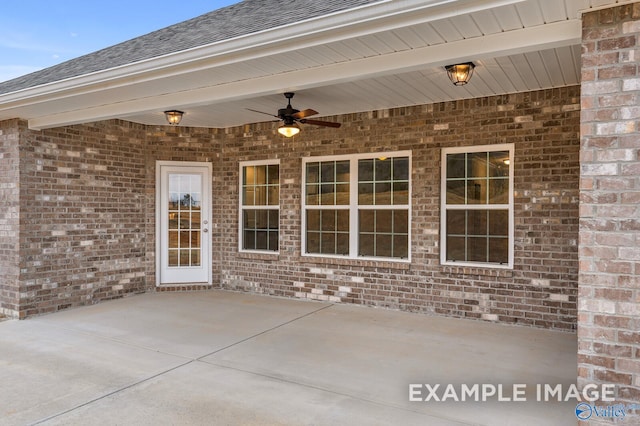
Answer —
205 230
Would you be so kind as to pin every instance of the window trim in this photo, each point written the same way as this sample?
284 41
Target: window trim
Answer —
242 165
353 205
510 147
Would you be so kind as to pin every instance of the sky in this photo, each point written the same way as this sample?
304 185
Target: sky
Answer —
36 34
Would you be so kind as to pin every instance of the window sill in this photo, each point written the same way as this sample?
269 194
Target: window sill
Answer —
488 271
361 263
254 255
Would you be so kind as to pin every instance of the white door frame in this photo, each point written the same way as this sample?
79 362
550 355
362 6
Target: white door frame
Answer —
207 258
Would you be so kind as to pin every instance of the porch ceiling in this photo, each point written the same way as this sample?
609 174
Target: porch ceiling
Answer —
387 54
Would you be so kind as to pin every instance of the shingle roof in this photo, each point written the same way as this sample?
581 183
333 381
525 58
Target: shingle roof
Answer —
246 17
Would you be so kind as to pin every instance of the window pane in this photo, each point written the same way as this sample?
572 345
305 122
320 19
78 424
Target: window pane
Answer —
342 244
383 194
456 192
261 240
366 220
456 165
273 195
184 239
383 170
328 220
328 243
400 222
477 222
195 257
195 239
261 175
248 176
365 194
184 257
249 240
328 197
499 250
384 221
313 196
497 165
173 239
477 164
343 220
173 220
173 257
273 240
365 171
456 222
401 168
456 249
327 172
274 219
401 193
273 174
499 191
477 191
260 195
313 242
262 219
313 173
366 245
342 194
195 220
477 249
383 245
313 220
401 246
343 171
499 222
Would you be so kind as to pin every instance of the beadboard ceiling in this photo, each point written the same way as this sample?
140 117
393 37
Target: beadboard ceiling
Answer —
394 61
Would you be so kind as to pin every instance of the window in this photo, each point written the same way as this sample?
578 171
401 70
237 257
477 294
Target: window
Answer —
357 206
477 206
259 206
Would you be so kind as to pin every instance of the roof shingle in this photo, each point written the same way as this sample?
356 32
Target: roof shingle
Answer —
246 17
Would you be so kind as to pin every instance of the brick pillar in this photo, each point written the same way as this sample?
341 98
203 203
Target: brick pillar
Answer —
9 218
609 254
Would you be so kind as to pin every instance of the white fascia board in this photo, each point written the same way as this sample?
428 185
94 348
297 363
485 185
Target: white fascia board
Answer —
356 22
563 33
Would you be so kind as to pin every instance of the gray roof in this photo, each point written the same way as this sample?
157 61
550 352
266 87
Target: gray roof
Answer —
246 17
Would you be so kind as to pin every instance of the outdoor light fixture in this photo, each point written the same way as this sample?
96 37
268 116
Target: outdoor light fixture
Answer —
174 117
460 74
289 129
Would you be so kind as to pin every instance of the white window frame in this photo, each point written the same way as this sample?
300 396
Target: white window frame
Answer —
241 207
353 205
444 206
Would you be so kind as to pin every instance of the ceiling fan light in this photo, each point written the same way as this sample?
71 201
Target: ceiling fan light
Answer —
289 130
460 74
174 117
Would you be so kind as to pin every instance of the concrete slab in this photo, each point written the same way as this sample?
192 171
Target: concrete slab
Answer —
227 358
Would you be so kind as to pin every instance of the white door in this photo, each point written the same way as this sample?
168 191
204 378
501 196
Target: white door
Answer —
184 218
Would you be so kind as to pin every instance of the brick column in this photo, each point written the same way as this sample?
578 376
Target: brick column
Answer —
609 254
9 218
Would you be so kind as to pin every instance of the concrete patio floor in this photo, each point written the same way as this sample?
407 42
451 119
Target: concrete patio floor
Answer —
227 358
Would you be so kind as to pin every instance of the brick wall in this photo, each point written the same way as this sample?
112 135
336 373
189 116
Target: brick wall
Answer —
541 289
609 308
88 219
9 217
82 227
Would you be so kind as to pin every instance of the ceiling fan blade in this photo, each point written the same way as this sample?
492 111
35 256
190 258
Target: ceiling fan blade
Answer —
302 114
321 123
262 112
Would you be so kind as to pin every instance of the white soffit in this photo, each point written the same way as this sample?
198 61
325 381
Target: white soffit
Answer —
385 55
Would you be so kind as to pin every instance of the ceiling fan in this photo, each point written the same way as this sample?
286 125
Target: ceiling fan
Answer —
291 117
